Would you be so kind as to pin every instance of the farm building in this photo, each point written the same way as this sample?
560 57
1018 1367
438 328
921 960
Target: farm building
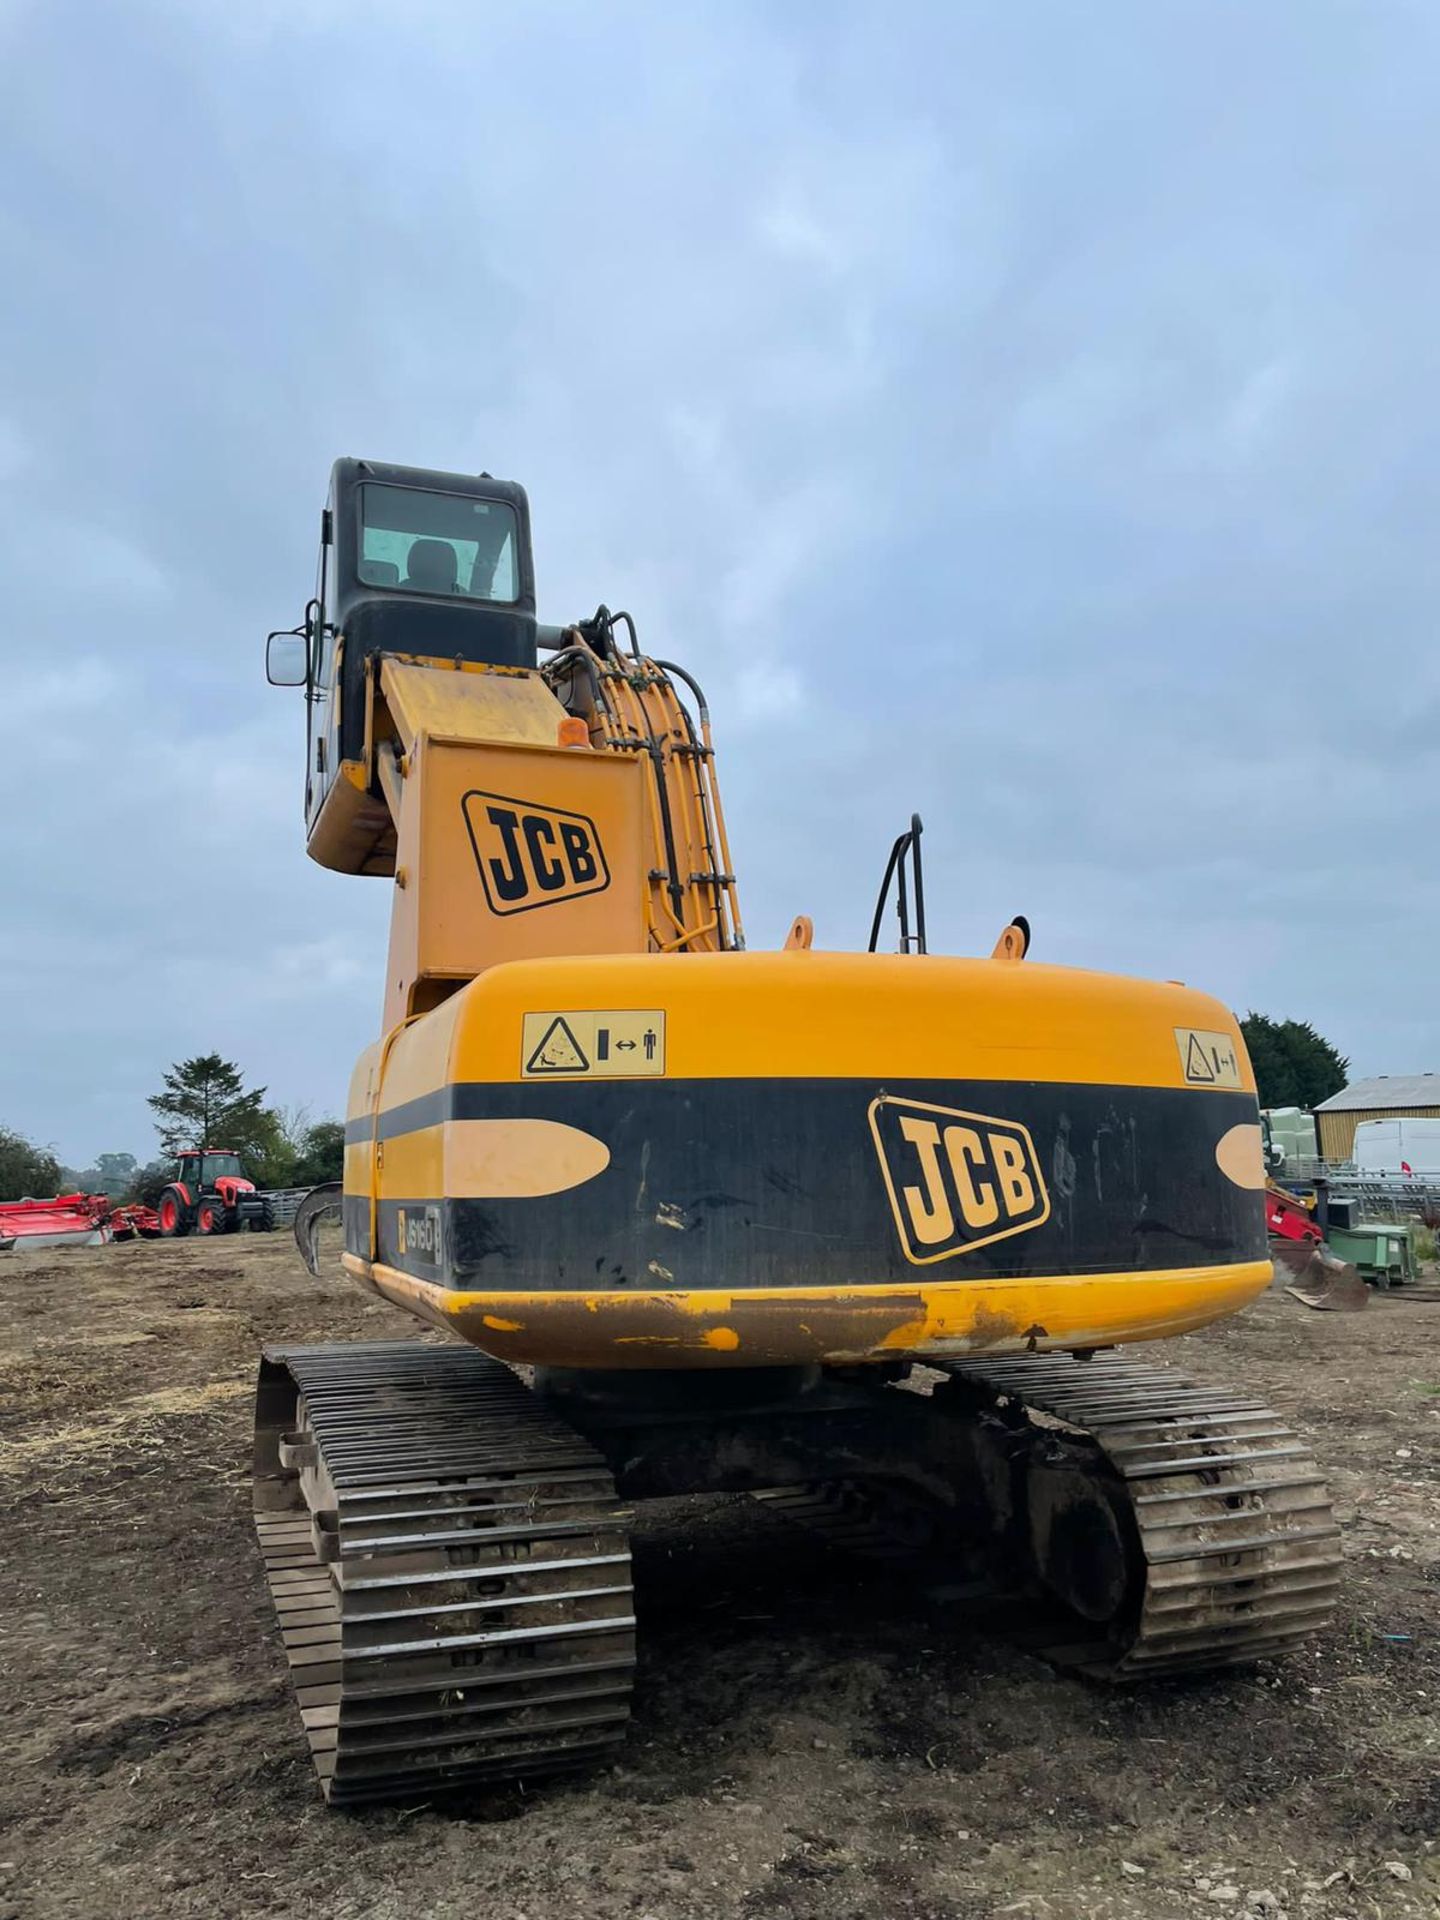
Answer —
1393 1096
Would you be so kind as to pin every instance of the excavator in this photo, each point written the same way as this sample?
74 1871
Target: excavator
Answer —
868 1235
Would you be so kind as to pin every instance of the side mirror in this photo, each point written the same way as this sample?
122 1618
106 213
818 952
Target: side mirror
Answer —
287 659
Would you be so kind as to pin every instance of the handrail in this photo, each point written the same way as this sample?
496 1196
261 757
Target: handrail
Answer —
907 844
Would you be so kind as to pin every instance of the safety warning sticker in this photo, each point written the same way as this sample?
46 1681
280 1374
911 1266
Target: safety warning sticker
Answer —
592 1045
1208 1059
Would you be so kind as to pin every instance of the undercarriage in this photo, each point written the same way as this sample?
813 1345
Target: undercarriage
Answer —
447 1546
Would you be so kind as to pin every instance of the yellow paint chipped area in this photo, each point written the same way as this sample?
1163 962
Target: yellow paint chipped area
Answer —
808 1325
124 1425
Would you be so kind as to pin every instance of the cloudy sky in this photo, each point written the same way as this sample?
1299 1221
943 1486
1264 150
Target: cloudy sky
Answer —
1028 414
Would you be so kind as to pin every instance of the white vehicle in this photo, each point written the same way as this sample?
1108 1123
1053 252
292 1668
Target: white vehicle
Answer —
1399 1147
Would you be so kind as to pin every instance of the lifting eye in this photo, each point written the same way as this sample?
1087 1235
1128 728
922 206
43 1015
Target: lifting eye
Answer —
1014 942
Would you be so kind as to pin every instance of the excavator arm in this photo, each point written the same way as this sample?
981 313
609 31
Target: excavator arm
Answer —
586 787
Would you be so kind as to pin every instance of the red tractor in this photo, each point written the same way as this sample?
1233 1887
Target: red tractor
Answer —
210 1194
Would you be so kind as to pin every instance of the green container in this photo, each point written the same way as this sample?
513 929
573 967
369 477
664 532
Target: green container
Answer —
1383 1254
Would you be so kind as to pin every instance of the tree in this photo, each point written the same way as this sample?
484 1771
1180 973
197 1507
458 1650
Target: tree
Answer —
204 1104
116 1171
146 1182
1294 1066
322 1156
301 1152
293 1124
112 1173
269 1157
287 1148
25 1169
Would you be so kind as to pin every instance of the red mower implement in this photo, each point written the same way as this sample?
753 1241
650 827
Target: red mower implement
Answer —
72 1220
69 1220
128 1223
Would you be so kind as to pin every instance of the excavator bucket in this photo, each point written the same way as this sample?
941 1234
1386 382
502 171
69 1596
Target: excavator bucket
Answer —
320 1207
1318 1279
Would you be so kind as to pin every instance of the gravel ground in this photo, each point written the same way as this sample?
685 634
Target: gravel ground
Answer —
809 1740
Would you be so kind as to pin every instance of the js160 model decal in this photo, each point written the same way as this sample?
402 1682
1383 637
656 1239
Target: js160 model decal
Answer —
418 1232
956 1180
532 856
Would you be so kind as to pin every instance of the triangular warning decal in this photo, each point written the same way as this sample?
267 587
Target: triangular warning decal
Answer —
558 1052
1197 1062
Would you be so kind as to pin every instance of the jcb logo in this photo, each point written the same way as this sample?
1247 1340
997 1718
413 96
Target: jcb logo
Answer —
956 1180
532 856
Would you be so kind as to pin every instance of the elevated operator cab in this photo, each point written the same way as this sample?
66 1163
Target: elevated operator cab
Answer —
435 566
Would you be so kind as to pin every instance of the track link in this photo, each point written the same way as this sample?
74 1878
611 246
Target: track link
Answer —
1233 1553
449 1566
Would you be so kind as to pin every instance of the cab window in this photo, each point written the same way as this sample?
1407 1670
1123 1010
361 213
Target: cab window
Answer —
414 541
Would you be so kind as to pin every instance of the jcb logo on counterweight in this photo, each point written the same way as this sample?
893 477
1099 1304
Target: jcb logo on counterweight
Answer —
956 1180
532 856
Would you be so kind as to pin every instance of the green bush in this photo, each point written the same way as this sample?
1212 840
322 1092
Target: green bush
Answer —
27 1171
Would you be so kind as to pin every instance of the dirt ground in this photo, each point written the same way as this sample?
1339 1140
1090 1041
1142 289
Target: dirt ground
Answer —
809 1739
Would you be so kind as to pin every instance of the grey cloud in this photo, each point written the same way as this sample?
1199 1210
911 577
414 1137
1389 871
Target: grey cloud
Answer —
1028 415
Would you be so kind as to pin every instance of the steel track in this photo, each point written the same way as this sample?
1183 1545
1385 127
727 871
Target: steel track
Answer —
1216 1523
1234 1554
449 1566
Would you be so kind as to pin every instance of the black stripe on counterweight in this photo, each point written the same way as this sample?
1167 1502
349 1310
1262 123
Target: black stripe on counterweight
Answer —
776 1182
